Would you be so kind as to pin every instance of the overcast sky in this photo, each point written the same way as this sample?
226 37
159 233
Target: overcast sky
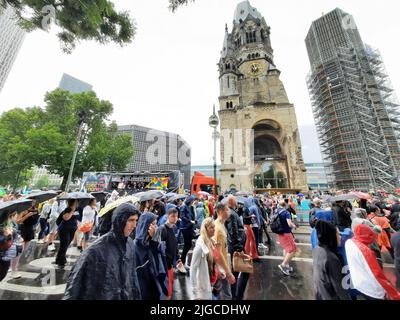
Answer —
167 77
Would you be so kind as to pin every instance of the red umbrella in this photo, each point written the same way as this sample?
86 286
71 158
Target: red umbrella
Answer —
361 195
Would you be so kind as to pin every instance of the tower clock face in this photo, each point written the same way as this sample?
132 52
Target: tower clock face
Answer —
255 69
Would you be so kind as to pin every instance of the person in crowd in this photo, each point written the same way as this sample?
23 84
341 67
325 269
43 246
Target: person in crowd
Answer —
54 214
327 267
366 275
167 231
204 266
188 221
43 221
27 221
221 240
114 196
150 258
377 217
88 221
396 250
67 225
342 215
286 239
250 245
107 269
200 214
159 208
236 243
394 217
360 216
8 249
316 206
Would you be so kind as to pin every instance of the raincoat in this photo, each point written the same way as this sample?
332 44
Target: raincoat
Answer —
200 214
366 274
107 269
151 262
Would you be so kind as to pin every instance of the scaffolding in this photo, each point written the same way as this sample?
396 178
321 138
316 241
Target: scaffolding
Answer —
357 119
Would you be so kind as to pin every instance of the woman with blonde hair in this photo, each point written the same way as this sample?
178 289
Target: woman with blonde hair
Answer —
203 267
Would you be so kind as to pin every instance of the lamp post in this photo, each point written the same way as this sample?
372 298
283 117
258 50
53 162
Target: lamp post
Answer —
82 116
213 122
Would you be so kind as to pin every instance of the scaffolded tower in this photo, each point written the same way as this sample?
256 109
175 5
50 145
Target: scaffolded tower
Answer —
355 109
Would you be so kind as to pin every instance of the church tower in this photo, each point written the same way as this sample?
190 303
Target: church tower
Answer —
260 142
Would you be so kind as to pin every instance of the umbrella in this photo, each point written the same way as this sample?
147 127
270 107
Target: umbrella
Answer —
99 195
361 195
177 197
149 195
203 193
170 194
242 193
18 205
76 196
343 197
82 197
42 196
116 203
301 195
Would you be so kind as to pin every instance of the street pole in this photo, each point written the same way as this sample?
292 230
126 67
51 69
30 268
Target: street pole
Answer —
213 121
215 162
78 138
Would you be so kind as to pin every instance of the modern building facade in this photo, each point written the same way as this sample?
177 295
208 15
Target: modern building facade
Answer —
317 178
74 85
39 172
260 142
354 106
156 150
11 38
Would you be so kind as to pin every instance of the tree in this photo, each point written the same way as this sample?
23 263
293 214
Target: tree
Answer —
15 159
52 141
175 4
78 20
43 182
120 150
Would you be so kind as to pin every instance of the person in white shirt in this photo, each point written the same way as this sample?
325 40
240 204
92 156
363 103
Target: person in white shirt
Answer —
88 220
43 220
56 209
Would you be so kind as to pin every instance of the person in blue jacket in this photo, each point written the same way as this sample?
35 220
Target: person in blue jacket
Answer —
188 221
150 259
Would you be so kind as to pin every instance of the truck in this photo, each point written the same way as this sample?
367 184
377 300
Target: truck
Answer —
131 182
201 182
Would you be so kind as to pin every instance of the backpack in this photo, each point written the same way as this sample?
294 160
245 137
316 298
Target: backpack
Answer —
275 222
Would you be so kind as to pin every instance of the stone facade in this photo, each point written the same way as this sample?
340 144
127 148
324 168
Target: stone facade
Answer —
260 143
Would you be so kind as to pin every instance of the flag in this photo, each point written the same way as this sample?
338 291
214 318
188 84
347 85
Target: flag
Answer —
158 184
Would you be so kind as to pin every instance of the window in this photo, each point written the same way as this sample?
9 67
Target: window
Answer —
227 80
251 37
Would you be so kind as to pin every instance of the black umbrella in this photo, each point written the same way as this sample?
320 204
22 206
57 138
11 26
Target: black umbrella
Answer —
18 205
42 196
343 197
177 197
82 197
150 195
99 195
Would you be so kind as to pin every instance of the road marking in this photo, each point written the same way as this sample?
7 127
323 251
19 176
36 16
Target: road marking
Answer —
281 257
46 290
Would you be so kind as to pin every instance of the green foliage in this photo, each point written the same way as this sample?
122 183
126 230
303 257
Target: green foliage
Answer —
43 182
78 20
175 4
48 136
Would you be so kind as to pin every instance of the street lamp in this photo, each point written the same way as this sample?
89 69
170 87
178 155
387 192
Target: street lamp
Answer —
82 117
213 122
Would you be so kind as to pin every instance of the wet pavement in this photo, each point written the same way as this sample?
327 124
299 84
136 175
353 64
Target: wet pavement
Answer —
42 280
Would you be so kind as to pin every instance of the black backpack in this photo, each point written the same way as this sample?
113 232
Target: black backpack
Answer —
275 222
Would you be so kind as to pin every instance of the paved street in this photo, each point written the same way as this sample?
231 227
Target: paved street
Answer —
42 280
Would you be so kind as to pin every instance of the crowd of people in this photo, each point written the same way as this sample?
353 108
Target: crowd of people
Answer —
134 250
